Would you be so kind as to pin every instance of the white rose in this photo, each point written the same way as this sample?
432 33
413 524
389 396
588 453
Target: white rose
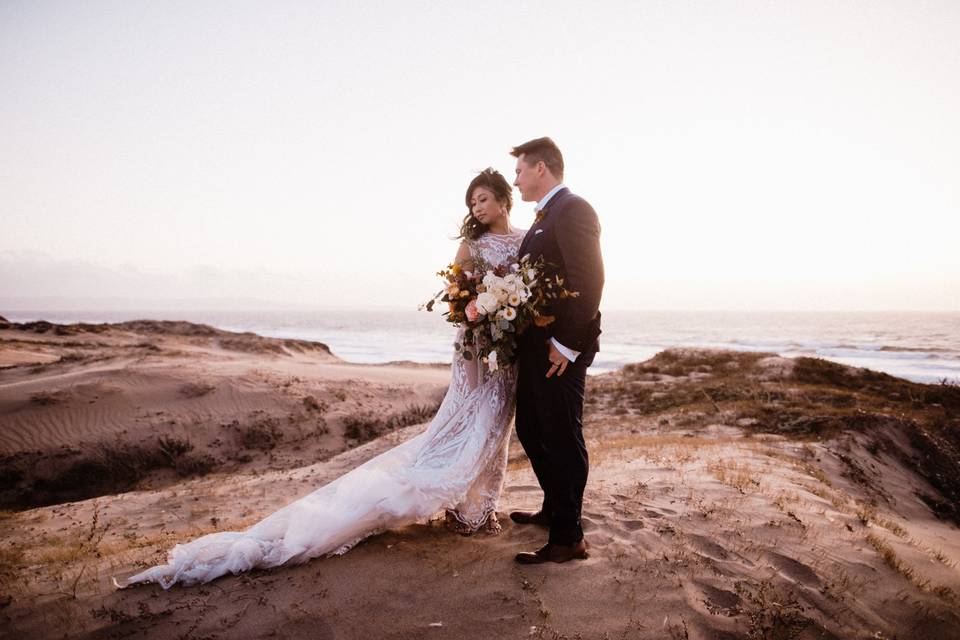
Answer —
489 279
487 303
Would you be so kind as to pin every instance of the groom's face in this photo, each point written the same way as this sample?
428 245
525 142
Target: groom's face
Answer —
528 180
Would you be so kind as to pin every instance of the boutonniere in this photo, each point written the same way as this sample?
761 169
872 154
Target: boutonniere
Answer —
540 214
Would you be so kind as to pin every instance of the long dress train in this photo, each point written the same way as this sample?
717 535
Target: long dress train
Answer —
457 463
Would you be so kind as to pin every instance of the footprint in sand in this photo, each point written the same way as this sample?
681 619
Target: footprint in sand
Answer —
717 601
595 515
794 569
707 547
600 531
633 525
658 511
610 528
593 522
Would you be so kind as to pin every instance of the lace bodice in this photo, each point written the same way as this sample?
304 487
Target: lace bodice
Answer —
496 249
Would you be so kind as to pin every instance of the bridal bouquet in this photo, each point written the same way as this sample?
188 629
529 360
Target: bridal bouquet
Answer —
496 305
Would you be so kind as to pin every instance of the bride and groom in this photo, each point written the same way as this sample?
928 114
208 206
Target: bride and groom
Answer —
458 463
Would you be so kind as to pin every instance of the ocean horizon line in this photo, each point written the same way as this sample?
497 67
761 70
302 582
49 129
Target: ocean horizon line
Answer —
276 308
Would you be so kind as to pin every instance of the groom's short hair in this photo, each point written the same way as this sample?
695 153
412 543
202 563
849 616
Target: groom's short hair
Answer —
541 149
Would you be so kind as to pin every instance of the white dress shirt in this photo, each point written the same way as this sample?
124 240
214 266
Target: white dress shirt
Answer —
567 352
545 199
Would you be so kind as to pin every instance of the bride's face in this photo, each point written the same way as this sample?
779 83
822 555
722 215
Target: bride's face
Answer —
484 206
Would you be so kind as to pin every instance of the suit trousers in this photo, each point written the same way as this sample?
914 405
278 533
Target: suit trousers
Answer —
549 423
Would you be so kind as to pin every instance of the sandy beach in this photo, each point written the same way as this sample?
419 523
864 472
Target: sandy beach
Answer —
731 495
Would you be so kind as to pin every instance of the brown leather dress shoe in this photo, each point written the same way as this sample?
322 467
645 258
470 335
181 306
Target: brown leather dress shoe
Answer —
555 553
529 517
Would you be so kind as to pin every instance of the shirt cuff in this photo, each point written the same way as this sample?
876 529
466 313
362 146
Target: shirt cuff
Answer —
569 354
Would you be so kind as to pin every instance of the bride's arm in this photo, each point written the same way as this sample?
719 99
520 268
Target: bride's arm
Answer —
463 257
471 369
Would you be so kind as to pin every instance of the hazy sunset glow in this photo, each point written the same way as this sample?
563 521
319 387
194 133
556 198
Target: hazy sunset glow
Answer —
749 155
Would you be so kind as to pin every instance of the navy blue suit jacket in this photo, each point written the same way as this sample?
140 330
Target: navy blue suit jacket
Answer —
568 237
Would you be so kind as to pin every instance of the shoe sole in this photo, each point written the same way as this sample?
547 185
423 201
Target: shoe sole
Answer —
584 556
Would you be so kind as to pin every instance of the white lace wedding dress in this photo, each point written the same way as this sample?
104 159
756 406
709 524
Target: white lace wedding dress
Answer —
457 464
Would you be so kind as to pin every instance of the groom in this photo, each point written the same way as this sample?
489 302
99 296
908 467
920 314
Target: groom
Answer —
553 360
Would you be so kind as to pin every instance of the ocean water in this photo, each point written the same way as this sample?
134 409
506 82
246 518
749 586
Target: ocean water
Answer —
919 346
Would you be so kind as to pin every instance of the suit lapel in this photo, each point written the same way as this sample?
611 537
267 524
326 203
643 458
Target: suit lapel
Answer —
526 240
551 205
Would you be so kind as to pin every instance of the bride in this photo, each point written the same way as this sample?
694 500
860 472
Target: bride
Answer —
457 464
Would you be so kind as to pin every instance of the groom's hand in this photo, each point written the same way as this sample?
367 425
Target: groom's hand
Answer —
558 362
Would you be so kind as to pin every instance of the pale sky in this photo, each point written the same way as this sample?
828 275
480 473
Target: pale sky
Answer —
740 155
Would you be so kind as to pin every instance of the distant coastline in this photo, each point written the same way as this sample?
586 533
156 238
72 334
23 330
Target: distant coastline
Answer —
918 346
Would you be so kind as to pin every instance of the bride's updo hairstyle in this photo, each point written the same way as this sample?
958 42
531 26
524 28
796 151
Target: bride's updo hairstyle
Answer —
471 229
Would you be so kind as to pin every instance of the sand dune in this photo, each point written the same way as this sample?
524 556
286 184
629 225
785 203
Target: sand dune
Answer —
102 408
730 496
